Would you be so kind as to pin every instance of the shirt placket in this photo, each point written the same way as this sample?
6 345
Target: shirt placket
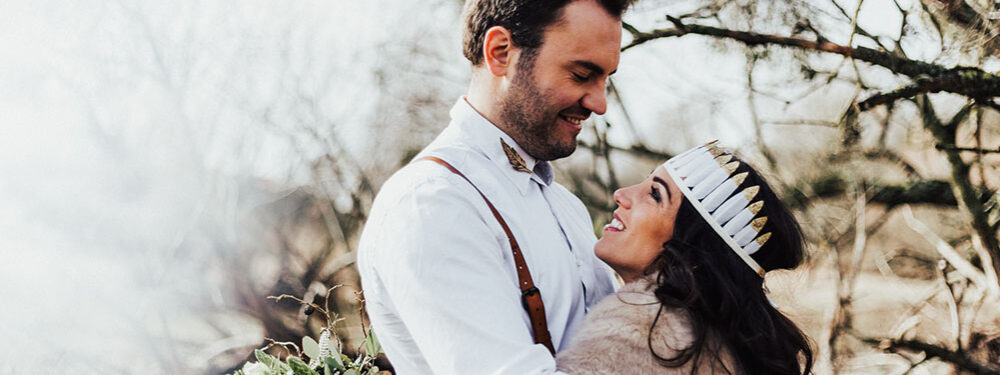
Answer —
541 169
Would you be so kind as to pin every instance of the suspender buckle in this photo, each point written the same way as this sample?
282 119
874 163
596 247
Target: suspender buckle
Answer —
527 293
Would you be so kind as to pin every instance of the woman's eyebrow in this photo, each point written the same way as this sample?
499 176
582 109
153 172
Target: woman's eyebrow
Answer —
665 186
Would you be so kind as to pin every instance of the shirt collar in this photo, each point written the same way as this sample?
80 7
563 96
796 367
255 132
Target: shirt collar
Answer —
484 136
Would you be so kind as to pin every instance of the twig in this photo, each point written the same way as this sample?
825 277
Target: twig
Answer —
764 150
965 191
992 284
911 68
805 122
299 300
947 252
960 359
860 238
283 345
945 147
914 365
956 324
968 81
637 150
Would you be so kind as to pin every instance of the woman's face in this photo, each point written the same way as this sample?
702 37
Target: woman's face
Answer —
643 221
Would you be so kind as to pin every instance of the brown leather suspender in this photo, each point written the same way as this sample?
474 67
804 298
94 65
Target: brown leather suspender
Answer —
531 298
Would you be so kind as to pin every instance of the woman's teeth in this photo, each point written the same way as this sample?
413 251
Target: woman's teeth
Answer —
616 224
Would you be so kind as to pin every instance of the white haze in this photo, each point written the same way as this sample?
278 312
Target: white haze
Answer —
125 125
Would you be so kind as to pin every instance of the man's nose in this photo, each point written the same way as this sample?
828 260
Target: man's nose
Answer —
594 100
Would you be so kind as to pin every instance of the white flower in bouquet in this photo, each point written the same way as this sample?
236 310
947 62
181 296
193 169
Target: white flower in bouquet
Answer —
255 368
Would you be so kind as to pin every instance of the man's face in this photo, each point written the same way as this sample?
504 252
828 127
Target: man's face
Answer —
552 92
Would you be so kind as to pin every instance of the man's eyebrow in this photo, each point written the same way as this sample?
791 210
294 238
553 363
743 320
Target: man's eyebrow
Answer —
592 67
665 186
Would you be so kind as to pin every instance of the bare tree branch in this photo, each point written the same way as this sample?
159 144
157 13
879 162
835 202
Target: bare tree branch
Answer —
947 147
971 82
960 359
946 251
963 186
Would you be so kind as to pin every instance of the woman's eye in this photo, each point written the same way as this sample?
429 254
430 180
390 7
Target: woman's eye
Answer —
654 193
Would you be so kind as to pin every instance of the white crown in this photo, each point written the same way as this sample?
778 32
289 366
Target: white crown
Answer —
704 175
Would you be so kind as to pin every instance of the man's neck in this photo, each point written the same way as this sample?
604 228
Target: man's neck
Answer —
483 96
469 99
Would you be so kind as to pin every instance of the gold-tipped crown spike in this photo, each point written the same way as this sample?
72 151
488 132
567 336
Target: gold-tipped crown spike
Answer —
705 176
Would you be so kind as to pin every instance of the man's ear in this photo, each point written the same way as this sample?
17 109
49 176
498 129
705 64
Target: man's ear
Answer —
498 50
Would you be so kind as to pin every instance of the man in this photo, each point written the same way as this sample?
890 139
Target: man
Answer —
440 282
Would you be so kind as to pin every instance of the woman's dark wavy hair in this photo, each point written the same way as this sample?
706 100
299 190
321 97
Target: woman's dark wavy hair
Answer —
700 273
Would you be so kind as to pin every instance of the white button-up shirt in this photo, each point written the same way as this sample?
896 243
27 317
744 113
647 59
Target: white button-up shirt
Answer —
436 267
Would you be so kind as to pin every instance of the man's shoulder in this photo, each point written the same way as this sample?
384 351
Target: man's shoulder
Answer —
425 178
417 178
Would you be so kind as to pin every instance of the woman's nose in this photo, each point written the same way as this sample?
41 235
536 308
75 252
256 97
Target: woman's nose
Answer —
621 198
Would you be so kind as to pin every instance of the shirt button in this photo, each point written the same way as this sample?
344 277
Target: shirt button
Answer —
579 263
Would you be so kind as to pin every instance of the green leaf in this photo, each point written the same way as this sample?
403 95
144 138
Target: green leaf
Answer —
335 363
299 367
352 372
271 362
372 347
310 347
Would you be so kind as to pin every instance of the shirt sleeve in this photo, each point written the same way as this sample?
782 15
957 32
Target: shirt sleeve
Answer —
442 265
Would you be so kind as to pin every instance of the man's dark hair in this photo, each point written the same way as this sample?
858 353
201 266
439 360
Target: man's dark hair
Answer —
526 20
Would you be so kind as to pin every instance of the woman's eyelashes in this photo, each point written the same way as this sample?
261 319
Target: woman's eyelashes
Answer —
653 192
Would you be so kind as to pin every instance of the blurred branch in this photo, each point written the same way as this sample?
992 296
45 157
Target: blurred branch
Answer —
635 150
958 358
947 252
935 192
877 154
947 147
803 122
971 82
856 29
761 145
989 104
967 194
953 303
843 313
601 204
932 192
894 63
992 284
972 17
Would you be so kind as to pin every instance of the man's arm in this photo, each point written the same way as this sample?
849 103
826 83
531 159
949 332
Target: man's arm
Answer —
443 268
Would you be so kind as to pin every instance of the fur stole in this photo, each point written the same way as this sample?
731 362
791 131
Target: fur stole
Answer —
614 337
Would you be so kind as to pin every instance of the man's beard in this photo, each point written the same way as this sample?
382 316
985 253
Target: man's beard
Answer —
523 113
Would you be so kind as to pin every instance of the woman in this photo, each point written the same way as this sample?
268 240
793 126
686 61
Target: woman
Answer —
692 243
